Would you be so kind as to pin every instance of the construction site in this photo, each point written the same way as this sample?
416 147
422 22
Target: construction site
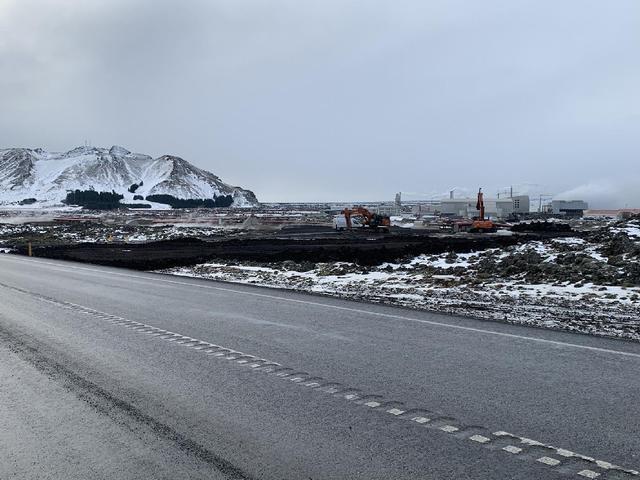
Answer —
488 258
365 234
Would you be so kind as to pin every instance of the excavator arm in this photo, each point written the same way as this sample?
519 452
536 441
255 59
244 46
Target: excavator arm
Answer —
372 220
480 225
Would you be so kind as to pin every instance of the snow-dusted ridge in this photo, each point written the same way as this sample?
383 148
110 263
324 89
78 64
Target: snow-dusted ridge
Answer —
47 176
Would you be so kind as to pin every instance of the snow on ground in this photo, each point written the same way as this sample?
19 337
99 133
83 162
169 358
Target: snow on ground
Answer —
587 283
582 284
588 308
100 233
631 229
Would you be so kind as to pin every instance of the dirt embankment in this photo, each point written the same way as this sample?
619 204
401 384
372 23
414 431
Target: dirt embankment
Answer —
365 250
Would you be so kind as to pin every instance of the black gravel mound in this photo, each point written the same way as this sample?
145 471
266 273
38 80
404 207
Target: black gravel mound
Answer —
542 227
372 250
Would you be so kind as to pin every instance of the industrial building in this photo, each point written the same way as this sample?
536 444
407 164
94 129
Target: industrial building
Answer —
494 207
569 208
394 208
500 207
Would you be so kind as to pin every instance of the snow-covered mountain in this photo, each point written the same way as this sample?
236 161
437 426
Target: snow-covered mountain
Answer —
46 176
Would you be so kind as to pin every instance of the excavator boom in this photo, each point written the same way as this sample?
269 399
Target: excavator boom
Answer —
481 224
372 220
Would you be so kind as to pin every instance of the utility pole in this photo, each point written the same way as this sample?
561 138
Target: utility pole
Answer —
540 198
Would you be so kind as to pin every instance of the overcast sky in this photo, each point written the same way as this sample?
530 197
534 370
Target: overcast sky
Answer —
338 100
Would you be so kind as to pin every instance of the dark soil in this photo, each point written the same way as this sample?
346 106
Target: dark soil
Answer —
551 227
365 250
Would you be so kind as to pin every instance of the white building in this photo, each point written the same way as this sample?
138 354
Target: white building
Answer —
521 204
493 207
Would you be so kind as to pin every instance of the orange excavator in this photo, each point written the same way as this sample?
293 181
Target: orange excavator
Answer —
369 219
480 224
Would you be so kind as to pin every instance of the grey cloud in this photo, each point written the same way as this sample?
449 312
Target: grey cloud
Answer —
336 99
606 193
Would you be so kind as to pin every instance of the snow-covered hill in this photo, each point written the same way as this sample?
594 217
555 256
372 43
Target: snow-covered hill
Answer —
46 176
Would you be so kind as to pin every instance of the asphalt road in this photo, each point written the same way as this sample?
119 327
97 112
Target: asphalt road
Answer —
117 374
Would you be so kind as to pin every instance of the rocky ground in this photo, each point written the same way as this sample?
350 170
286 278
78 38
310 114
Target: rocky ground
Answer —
588 283
65 233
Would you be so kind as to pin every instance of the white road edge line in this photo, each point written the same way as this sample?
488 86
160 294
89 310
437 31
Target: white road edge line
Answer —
337 307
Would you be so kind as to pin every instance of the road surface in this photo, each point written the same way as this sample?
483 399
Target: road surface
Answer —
117 374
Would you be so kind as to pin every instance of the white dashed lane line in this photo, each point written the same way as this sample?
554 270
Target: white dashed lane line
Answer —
482 437
420 419
160 278
395 411
588 474
512 449
549 461
479 438
449 428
